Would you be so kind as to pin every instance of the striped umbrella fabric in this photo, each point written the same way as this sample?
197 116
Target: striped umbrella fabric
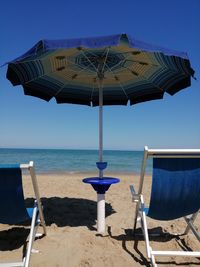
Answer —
71 70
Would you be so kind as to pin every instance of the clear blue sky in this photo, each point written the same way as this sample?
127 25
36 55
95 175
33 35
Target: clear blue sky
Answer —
30 122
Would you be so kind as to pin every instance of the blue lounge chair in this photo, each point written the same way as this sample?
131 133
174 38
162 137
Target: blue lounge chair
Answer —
12 205
175 193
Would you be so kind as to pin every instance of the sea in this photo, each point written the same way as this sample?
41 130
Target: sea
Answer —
74 160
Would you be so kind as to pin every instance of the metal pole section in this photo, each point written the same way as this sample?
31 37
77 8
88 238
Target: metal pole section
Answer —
101 213
100 124
36 190
142 173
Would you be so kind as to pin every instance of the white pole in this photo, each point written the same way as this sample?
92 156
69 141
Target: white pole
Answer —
101 197
101 213
36 190
100 125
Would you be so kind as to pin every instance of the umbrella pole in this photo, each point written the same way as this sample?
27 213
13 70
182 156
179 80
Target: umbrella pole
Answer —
100 125
101 224
100 197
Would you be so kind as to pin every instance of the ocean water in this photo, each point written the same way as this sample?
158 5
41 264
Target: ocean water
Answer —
74 161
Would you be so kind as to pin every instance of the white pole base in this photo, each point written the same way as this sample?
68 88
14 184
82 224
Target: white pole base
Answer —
101 213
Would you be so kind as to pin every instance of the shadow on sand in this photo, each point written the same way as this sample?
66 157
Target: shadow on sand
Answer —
155 234
13 238
72 212
63 212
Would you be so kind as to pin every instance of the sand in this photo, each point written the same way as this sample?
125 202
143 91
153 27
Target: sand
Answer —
72 239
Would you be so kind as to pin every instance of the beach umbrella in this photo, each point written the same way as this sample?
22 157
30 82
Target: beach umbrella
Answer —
109 70
97 71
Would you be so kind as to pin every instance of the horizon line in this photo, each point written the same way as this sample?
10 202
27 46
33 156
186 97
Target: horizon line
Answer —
94 149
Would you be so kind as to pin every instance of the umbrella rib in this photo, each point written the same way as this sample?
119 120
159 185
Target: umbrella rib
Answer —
92 92
87 67
158 53
136 61
146 79
82 69
40 76
89 60
118 82
93 54
141 75
62 87
105 60
120 63
97 69
51 72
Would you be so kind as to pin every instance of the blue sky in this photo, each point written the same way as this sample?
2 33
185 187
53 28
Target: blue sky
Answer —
31 122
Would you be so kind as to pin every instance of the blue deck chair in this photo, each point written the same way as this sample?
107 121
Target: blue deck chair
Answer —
12 205
175 193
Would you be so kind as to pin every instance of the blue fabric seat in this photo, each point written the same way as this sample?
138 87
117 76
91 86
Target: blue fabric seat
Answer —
12 205
175 193
175 188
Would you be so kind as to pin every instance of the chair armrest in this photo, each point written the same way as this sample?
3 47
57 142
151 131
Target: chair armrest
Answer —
135 196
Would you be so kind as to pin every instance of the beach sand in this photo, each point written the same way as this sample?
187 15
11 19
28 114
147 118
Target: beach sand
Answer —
72 240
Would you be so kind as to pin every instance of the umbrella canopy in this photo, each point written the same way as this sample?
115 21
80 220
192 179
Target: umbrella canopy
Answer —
110 70
130 69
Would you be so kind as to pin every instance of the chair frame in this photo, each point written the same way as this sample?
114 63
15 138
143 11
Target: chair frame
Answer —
140 215
37 219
